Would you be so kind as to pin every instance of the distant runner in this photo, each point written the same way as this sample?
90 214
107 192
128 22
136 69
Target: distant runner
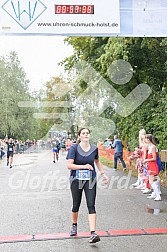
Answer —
55 148
63 145
10 150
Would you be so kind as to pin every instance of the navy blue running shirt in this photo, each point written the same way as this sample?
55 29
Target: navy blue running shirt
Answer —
82 158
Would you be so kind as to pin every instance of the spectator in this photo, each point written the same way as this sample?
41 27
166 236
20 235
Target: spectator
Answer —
118 154
153 168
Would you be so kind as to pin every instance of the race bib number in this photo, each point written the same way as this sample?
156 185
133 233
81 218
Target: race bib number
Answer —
83 174
10 149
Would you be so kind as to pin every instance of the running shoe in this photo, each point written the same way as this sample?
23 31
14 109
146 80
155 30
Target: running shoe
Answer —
73 231
94 238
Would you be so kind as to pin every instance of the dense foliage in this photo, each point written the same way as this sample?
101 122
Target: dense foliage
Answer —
16 121
147 57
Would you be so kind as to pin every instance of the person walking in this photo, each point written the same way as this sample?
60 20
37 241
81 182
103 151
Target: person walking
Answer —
81 158
118 154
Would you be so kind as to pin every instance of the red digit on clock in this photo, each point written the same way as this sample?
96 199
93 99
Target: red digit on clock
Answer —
58 9
64 9
76 8
84 9
89 9
71 9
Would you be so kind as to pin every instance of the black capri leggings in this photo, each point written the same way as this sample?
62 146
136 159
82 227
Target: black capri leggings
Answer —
89 187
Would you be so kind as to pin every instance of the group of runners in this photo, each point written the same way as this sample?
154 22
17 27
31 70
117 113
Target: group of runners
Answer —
63 144
10 146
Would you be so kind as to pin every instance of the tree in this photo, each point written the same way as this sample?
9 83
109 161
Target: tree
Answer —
147 57
16 121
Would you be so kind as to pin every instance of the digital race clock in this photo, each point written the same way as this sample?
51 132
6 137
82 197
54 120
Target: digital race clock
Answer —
74 9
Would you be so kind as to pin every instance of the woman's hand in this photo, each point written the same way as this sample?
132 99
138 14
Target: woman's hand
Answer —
105 178
88 167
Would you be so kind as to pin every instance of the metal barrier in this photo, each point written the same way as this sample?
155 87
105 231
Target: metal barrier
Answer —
108 153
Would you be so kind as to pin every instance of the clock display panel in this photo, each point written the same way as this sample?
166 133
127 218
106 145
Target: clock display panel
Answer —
74 9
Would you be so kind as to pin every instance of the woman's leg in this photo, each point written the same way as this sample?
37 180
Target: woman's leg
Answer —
151 182
156 187
141 181
90 193
76 196
11 160
57 155
53 157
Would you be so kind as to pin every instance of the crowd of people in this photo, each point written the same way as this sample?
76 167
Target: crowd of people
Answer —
148 166
147 162
22 146
9 147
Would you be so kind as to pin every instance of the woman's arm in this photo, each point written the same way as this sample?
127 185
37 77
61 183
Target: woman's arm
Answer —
101 169
145 147
99 166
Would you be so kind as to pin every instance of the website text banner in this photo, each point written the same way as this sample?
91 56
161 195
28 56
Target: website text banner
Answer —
60 17
124 18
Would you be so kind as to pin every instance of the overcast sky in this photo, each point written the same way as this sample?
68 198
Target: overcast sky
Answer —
39 55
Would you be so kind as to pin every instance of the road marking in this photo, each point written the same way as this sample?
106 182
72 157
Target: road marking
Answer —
62 236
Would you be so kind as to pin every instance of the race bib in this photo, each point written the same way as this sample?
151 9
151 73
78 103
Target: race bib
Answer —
10 149
83 174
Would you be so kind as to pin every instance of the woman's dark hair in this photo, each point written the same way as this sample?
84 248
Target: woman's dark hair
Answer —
151 138
79 132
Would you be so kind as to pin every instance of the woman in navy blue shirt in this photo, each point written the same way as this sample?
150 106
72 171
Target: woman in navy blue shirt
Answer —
81 158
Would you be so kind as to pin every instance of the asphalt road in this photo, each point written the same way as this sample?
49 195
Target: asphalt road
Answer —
36 210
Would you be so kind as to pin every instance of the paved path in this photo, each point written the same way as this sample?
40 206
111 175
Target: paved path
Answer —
36 210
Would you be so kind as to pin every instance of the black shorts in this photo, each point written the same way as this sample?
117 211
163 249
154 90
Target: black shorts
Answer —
9 154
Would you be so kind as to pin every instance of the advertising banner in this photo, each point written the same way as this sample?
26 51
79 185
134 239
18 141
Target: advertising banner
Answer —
60 17
122 18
